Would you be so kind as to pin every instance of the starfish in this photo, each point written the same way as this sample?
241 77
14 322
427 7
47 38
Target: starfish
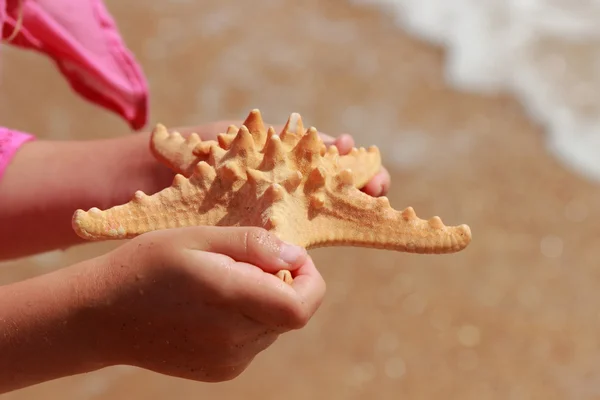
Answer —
290 184
182 154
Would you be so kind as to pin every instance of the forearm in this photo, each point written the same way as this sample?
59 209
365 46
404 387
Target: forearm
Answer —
49 328
47 181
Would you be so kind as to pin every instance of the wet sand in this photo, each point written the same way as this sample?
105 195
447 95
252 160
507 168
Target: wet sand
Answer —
512 317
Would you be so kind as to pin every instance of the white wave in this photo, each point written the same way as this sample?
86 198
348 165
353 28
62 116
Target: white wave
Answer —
545 52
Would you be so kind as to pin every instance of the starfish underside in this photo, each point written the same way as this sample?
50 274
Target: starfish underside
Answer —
290 184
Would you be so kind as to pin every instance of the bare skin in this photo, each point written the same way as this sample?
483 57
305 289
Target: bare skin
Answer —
194 303
198 303
36 208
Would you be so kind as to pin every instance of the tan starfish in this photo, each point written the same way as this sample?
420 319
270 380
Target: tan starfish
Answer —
290 184
182 154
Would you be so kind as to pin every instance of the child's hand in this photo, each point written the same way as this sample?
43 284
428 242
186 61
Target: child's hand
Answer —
196 302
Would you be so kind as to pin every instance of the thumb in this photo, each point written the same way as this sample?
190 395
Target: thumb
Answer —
251 245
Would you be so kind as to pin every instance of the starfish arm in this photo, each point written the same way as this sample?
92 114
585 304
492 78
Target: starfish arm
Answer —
364 164
353 218
175 151
182 154
290 184
179 205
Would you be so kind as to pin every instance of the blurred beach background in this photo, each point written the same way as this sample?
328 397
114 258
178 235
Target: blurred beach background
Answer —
486 112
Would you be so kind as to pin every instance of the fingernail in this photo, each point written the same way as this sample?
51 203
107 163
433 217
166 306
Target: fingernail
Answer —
290 253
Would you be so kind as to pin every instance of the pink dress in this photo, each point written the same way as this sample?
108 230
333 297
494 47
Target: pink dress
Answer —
82 39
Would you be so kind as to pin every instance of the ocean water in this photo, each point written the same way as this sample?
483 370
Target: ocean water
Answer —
544 52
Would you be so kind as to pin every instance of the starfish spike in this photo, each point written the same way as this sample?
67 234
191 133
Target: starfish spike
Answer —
290 184
181 154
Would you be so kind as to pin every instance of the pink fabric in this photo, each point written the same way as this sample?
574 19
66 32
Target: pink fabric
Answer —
10 142
83 40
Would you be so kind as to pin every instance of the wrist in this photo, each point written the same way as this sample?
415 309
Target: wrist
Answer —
54 327
131 167
88 291
48 180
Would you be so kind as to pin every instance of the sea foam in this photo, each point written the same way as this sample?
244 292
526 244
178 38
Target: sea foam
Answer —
545 52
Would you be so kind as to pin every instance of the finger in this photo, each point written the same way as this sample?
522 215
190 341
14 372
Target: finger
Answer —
344 143
386 181
291 306
261 297
310 289
217 374
246 244
378 185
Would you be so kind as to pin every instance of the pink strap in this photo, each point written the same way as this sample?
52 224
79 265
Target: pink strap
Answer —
83 40
10 142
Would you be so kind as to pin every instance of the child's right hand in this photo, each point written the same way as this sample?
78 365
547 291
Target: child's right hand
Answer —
201 302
